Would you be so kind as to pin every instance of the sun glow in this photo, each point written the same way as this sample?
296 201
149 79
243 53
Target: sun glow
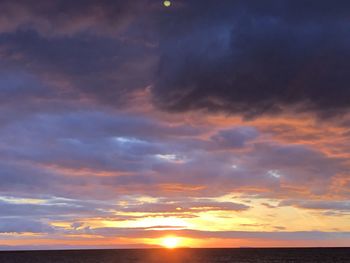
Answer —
170 242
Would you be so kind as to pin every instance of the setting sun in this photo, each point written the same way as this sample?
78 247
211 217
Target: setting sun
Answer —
170 242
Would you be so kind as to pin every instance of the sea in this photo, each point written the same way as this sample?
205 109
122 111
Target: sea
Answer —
238 255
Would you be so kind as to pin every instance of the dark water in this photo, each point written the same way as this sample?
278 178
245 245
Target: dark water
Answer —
248 255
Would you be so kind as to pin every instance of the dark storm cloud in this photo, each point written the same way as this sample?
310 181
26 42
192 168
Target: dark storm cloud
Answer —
236 56
95 50
64 17
102 69
255 57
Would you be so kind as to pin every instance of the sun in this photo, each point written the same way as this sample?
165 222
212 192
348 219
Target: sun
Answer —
170 242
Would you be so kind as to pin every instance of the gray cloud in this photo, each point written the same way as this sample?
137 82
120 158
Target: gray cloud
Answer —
280 235
193 206
319 205
235 138
16 225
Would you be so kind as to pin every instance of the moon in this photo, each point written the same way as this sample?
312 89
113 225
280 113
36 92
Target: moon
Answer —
167 3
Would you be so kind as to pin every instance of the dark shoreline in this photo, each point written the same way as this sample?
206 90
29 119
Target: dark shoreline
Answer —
180 255
179 248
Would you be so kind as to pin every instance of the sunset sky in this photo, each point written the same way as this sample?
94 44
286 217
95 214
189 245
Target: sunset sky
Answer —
192 123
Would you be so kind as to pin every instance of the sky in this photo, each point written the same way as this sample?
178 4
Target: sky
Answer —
212 123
